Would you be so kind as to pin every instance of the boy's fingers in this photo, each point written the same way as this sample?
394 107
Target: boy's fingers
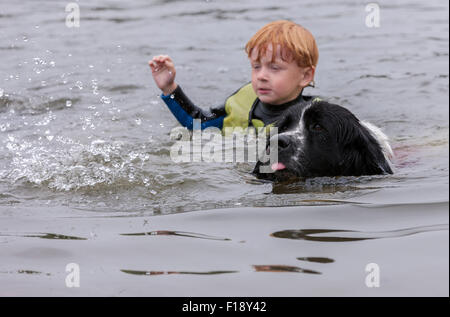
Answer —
155 68
156 63
165 58
160 62
157 59
169 63
162 58
153 65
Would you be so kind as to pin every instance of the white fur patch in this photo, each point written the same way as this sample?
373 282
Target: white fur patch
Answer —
299 132
382 140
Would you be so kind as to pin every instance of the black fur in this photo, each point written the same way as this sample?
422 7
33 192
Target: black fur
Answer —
325 139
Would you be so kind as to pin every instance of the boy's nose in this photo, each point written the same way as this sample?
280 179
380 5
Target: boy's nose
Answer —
262 75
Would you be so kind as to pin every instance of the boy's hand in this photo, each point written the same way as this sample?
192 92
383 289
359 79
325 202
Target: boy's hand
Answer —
163 71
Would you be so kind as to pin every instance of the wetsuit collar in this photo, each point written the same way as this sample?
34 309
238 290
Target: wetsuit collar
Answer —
282 107
273 109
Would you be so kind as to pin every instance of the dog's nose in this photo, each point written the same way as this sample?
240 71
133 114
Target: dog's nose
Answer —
283 142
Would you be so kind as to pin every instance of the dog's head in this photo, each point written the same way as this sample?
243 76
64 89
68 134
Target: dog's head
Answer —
324 139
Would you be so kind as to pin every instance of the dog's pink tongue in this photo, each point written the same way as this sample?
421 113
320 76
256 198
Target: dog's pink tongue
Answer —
278 166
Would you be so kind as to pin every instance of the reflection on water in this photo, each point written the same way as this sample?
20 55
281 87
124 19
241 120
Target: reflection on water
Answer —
51 236
329 185
175 233
257 268
283 268
352 235
28 272
147 273
316 260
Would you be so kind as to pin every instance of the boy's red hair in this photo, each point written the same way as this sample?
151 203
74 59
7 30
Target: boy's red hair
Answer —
298 41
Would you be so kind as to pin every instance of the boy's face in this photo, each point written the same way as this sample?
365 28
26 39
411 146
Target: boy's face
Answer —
280 81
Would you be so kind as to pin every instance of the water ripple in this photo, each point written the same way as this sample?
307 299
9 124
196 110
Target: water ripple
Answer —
352 235
283 269
51 236
149 273
176 233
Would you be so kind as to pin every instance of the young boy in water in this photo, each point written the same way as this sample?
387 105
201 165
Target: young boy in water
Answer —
283 57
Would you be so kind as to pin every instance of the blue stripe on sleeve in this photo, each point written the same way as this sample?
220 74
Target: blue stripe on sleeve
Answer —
185 119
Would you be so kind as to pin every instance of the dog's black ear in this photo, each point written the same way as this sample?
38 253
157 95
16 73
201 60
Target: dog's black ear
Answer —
363 154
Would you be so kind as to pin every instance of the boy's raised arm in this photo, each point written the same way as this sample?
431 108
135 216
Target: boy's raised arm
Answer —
163 72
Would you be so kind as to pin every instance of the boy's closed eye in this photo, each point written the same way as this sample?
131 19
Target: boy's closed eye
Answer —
256 66
271 66
275 66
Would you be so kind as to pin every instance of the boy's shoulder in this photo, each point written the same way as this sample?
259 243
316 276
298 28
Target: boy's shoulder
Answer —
246 88
312 98
244 96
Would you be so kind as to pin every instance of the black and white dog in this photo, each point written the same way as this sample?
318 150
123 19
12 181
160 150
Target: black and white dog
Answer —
324 139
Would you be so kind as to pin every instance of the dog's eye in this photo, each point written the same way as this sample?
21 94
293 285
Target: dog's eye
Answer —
316 127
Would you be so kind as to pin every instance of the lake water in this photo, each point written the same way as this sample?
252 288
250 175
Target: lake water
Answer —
86 176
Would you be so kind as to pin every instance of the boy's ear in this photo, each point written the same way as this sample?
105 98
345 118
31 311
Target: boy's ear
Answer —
308 76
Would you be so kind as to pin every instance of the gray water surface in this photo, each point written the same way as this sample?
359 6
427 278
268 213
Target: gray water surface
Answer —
85 165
